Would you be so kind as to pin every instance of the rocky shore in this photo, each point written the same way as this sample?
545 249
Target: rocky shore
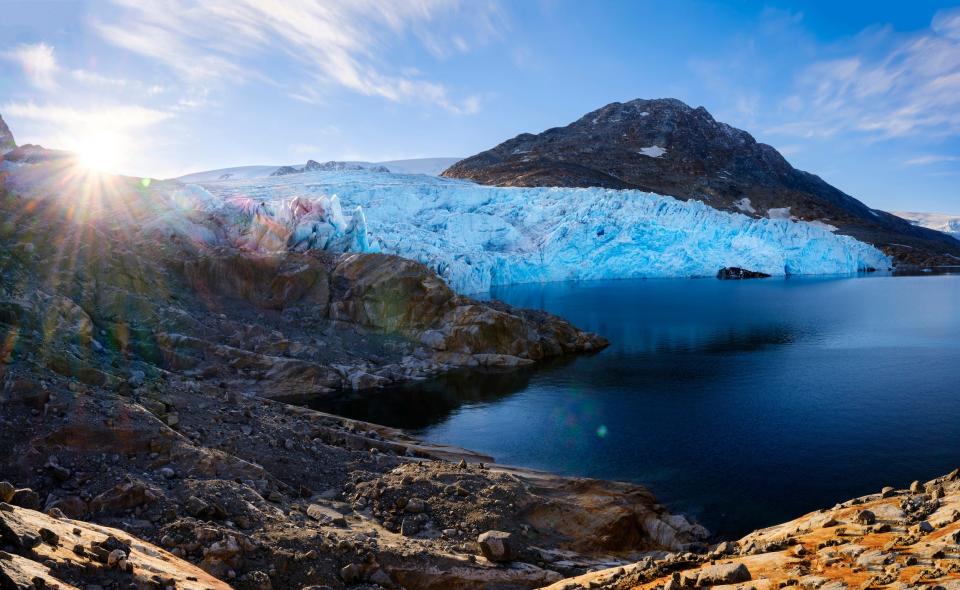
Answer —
140 373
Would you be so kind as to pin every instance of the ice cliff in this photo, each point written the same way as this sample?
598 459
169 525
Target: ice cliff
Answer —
476 236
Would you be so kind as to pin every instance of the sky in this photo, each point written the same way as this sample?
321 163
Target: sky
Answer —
866 95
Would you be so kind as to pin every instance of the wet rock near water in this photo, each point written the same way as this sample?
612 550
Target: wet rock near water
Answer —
736 273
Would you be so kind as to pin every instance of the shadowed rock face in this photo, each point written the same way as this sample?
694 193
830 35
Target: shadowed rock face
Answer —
665 146
6 137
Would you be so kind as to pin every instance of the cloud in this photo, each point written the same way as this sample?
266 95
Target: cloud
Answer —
931 159
900 85
38 63
119 116
337 43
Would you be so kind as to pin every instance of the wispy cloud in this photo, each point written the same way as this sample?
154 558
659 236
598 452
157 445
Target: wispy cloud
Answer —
931 159
38 63
900 86
125 116
339 43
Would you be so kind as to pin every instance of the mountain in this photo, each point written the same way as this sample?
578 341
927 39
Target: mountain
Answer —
428 166
331 166
667 147
948 224
7 142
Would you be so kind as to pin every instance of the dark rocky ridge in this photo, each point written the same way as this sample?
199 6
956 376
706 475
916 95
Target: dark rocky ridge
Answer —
6 137
703 159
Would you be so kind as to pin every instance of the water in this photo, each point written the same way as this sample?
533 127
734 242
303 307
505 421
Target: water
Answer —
743 403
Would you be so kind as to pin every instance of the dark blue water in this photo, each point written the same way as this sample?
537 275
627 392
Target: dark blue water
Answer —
742 403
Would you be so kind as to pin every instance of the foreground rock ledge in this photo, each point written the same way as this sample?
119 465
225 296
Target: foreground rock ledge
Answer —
892 539
60 553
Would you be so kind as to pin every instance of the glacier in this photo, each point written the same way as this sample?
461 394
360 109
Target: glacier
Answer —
477 236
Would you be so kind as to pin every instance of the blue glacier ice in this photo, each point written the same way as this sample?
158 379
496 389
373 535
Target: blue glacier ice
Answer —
477 236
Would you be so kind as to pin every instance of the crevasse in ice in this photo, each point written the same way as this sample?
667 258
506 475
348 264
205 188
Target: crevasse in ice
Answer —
477 236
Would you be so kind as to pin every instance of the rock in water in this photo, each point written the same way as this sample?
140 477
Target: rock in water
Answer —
735 272
497 546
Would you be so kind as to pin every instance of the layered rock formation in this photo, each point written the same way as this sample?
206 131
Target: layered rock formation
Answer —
54 551
666 147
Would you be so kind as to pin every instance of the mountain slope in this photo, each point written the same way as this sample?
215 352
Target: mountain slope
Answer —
948 224
7 142
667 147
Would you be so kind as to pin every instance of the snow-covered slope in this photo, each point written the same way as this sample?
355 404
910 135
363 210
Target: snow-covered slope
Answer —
948 224
235 173
429 166
476 236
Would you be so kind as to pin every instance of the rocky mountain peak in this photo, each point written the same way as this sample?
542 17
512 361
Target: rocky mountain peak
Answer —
667 147
7 142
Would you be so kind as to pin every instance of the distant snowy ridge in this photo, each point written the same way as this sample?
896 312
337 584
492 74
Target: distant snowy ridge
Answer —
948 224
477 236
428 166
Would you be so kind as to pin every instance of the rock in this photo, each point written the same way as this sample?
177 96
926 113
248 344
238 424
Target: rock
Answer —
735 273
415 506
916 488
49 537
925 527
6 491
409 526
729 573
865 517
725 548
120 498
26 498
351 573
325 515
381 578
498 546
167 472
115 556
888 492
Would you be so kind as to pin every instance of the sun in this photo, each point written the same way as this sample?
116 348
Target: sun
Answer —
101 152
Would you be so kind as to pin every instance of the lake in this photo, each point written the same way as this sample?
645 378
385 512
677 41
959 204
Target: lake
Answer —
741 403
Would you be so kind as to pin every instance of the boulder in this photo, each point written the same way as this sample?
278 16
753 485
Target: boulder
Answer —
498 546
727 573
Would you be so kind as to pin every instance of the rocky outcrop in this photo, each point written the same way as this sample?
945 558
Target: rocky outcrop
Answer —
7 142
52 551
667 147
907 538
735 273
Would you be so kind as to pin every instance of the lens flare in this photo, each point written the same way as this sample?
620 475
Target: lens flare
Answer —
101 152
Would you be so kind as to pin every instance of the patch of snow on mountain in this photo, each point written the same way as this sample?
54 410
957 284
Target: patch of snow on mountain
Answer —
654 151
948 224
475 236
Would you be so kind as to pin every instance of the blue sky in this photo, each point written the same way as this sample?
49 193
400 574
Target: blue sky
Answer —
867 95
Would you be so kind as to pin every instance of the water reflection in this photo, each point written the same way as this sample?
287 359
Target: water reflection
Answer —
744 403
